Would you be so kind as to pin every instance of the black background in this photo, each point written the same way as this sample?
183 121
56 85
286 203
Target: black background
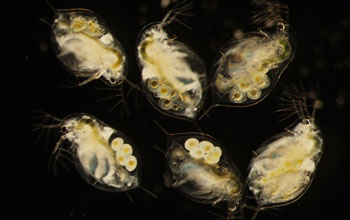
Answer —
34 79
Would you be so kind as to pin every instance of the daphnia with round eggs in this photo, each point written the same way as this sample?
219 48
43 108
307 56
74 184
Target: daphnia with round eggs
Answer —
201 170
285 164
173 76
104 156
250 67
86 46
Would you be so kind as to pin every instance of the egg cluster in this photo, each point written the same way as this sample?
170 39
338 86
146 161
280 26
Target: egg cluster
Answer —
246 87
204 150
168 97
123 154
242 73
87 25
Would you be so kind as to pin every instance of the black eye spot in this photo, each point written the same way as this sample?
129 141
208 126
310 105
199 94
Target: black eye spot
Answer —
113 81
64 129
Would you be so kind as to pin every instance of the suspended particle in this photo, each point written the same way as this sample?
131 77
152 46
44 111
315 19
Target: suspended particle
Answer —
173 76
86 46
165 3
286 163
250 67
200 169
105 157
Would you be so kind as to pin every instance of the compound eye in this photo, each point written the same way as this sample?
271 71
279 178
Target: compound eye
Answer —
64 129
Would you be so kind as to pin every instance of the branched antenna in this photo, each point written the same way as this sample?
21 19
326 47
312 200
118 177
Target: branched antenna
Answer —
46 122
297 101
44 115
132 85
121 95
55 11
182 9
56 153
270 15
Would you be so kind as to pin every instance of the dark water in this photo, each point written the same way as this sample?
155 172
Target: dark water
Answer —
38 81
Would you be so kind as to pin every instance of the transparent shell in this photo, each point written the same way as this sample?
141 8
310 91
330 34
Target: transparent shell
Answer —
249 68
198 172
285 165
87 48
95 151
173 76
